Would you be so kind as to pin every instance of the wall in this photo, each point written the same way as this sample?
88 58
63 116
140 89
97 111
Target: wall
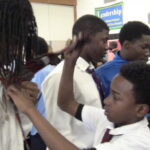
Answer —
87 6
136 10
54 23
133 9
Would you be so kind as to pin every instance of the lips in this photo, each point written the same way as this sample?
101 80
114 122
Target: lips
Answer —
106 111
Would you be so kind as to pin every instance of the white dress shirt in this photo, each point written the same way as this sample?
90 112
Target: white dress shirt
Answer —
134 136
10 132
85 92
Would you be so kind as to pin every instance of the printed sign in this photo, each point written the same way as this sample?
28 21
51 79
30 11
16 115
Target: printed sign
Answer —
112 15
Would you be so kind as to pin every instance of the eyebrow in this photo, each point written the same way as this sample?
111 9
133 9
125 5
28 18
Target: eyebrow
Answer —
115 92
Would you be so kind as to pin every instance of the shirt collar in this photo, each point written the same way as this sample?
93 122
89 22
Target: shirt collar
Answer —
83 65
128 128
118 58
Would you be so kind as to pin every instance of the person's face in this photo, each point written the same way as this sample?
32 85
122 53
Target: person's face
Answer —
120 106
140 49
98 45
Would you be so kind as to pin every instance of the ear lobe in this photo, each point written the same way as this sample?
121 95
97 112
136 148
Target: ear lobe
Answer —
142 110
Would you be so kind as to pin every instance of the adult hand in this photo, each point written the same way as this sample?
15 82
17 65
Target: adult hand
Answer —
31 90
24 96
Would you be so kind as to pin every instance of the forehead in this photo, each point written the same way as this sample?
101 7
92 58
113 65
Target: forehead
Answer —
103 34
121 85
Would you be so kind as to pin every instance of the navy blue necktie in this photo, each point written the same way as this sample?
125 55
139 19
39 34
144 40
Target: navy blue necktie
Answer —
98 83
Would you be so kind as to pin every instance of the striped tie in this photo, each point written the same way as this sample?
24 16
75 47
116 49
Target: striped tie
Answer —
98 83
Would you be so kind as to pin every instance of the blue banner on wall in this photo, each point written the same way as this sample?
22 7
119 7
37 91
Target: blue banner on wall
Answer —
112 15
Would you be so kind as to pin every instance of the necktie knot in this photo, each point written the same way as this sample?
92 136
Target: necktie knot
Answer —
90 70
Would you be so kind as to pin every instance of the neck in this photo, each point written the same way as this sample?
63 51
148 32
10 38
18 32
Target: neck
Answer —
85 56
86 59
123 54
89 61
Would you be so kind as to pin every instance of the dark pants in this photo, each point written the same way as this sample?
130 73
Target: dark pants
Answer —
36 143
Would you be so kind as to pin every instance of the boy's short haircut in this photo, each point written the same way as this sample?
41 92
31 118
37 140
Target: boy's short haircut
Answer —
42 46
138 73
113 45
133 30
89 25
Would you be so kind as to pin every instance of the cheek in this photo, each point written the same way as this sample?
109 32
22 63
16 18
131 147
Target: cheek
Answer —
123 113
100 48
97 50
140 55
139 52
102 45
118 113
135 55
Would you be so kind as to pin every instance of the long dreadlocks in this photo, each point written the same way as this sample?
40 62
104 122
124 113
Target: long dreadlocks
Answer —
18 36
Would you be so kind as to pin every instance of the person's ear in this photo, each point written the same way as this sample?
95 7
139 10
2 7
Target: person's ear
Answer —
142 110
126 45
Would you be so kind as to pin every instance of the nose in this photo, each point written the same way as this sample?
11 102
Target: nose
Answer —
107 100
106 46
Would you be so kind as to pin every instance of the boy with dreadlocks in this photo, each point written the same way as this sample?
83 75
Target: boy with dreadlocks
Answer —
17 28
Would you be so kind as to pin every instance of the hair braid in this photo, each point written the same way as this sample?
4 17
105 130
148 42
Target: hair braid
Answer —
17 28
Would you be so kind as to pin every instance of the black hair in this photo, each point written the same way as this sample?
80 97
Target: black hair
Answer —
133 30
42 47
17 29
113 44
138 73
89 25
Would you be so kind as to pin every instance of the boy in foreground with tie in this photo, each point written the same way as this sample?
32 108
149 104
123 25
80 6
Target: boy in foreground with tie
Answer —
126 107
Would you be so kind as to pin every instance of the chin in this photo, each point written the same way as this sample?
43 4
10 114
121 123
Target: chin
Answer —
108 117
111 119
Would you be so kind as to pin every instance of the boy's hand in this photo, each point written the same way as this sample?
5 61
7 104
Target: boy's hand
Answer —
74 48
23 97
